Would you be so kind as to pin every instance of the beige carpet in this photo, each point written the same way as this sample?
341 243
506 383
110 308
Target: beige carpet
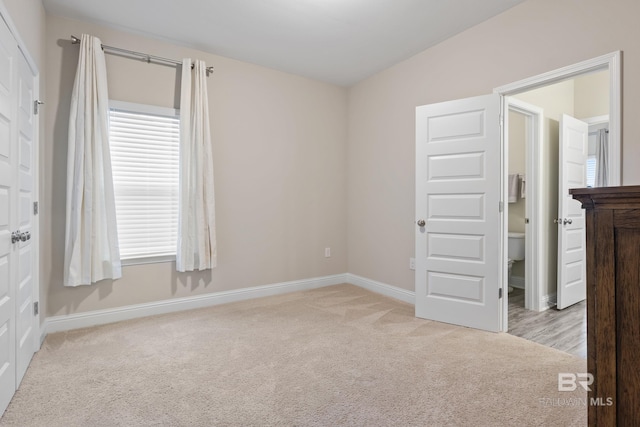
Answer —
333 356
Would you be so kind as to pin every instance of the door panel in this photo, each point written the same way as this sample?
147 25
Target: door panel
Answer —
458 195
573 150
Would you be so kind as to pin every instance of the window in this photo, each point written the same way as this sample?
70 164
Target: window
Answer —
591 171
145 149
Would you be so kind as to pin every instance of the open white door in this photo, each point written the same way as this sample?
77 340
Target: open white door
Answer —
458 249
572 268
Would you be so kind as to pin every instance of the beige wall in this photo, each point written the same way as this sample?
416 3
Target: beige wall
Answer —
280 163
29 17
591 95
501 50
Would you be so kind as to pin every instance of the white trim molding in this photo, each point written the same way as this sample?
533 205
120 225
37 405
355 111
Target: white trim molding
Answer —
610 61
597 120
102 317
535 242
548 301
382 288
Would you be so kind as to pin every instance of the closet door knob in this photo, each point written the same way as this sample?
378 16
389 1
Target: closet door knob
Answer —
25 236
421 223
567 221
15 236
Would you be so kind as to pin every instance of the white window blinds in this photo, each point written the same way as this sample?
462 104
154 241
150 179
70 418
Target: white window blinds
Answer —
591 171
145 145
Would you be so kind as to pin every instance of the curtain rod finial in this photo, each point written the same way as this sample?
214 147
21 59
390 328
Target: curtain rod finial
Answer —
75 40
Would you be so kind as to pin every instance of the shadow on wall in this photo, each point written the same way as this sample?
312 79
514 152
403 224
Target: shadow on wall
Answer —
59 172
193 279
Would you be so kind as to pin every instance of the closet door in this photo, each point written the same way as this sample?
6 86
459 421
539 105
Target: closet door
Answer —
8 215
18 226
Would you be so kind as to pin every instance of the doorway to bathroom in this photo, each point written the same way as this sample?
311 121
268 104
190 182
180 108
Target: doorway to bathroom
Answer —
553 126
556 138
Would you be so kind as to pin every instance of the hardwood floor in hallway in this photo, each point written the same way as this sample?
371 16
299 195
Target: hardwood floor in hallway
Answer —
564 330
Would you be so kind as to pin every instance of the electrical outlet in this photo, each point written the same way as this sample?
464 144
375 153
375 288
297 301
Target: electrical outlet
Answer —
412 263
327 252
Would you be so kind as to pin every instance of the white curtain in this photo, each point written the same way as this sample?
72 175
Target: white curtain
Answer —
91 238
196 230
602 159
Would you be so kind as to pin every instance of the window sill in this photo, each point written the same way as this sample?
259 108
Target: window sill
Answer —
149 260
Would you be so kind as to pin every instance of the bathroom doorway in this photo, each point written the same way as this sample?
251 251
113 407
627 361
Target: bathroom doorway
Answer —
543 219
525 139
534 129
532 133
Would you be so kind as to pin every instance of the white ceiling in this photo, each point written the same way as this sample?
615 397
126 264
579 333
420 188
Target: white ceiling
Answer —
337 41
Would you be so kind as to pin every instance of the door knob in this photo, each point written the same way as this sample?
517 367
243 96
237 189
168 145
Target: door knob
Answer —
25 236
567 221
15 236
421 223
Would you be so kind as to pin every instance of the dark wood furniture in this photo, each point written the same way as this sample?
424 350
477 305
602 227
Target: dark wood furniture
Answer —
613 303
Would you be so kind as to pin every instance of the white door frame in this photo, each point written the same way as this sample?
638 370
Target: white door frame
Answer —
533 249
611 62
597 120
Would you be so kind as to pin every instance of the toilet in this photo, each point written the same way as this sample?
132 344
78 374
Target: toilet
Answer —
515 251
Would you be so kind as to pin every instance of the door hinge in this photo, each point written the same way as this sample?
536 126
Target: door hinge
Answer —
500 207
36 309
36 106
35 208
499 293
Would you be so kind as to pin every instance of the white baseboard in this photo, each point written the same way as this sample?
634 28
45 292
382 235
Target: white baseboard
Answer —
548 301
101 317
382 288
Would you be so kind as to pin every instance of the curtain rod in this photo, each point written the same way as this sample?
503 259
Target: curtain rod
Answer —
143 56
